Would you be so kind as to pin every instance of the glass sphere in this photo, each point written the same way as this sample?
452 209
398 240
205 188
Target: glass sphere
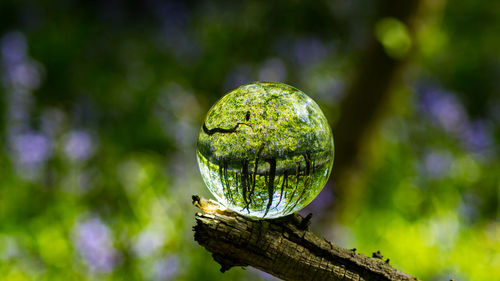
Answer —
265 150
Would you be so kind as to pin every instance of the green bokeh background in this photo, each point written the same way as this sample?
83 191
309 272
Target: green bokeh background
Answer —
101 103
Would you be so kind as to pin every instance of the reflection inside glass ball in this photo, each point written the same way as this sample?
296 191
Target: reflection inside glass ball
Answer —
265 150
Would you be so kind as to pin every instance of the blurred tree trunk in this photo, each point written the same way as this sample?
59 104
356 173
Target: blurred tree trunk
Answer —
367 103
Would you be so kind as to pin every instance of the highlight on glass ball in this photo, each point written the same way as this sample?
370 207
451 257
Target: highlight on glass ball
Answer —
265 150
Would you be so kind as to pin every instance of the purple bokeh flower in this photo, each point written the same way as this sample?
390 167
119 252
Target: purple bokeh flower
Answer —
13 47
309 51
19 70
437 163
444 108
31 148
448 113
166 268
25 74
148 242
79 145
240 75
477 136
94 243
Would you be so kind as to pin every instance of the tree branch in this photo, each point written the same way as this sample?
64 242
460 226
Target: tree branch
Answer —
283 247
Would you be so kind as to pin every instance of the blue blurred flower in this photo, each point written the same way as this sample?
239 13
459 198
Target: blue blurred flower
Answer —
79 145
477 136
25 74
13 47
448 113
95 245
444 108
30 149
436 164
19 70
240 75
149 241
166 268
309 51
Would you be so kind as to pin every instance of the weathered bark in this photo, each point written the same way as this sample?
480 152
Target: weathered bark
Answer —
282 247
